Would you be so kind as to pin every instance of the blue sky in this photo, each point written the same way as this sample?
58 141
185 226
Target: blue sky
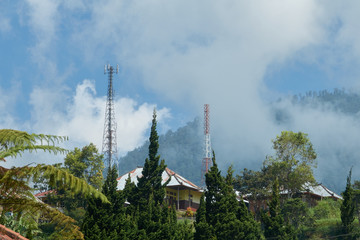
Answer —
176 55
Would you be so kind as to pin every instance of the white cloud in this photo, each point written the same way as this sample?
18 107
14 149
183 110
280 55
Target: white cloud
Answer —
83 119
219 52
191 53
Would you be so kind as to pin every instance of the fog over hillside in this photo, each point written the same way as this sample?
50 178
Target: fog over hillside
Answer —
330 119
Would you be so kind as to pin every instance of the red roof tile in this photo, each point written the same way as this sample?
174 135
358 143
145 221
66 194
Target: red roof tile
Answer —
8 234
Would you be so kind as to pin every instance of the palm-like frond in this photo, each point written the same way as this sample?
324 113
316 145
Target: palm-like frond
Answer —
65 224
16 194
14 142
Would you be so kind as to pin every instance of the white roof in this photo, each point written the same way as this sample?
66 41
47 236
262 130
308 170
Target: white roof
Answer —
176 179
321 191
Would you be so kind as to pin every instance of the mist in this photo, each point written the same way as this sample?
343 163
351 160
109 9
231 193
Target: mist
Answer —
189 53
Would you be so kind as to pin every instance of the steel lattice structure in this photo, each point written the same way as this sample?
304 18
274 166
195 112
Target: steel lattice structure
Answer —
206 162
109 146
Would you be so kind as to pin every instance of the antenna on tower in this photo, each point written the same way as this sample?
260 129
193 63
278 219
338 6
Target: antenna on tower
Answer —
206 163
109 146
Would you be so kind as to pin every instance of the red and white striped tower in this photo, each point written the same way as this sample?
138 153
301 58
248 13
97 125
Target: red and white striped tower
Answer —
206 163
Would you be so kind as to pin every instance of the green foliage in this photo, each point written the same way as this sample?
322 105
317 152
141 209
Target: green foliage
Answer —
326 209
23 223
14 143
204 231
348 208
221 216
108 220
15 189
292 163
87 164
253 184
296 213
274 225
184 230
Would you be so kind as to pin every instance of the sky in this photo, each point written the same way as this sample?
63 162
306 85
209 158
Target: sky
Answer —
236 55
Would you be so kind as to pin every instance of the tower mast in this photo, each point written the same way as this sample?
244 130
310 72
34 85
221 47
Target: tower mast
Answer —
109 146
206 163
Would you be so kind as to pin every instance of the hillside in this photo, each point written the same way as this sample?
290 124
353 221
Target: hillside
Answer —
182 151
183 148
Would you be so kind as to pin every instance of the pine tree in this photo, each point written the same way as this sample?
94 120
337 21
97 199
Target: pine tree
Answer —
148 195
274 225
109 218
203 230
348 208
221 216
213 194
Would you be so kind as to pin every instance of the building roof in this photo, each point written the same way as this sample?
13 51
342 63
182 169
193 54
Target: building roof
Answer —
317 190
321 191
43 194
8 234
175 179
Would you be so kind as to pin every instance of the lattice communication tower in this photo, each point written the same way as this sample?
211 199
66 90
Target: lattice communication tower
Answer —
206 162
109 146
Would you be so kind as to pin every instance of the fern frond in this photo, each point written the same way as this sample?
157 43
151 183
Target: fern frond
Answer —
64 223
57 177
14 142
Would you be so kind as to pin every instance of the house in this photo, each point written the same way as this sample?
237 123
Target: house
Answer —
8 234
43 196
179 191
311 195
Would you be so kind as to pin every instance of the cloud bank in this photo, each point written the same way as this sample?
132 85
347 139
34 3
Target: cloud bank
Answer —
191 53
83 120
220 53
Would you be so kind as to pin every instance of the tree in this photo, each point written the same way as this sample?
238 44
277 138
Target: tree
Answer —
253 184
108 220
348 209
274 225
223 217
86 163
297 214
293 162
15 191
203 230
148 195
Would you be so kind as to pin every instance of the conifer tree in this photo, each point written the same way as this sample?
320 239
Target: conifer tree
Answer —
219 217
148 195
203 230
213 194
108 220
274 225
348 209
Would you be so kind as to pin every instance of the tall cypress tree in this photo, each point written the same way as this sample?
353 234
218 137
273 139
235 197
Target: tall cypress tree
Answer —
274 225
108 221
148 195
219 217
203 230
348 208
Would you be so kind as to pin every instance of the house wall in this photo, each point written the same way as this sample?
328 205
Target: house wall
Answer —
184 199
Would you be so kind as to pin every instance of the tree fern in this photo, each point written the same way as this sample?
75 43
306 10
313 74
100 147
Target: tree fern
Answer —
17 195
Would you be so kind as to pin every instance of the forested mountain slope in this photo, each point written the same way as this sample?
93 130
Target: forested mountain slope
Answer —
183 148
182 151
